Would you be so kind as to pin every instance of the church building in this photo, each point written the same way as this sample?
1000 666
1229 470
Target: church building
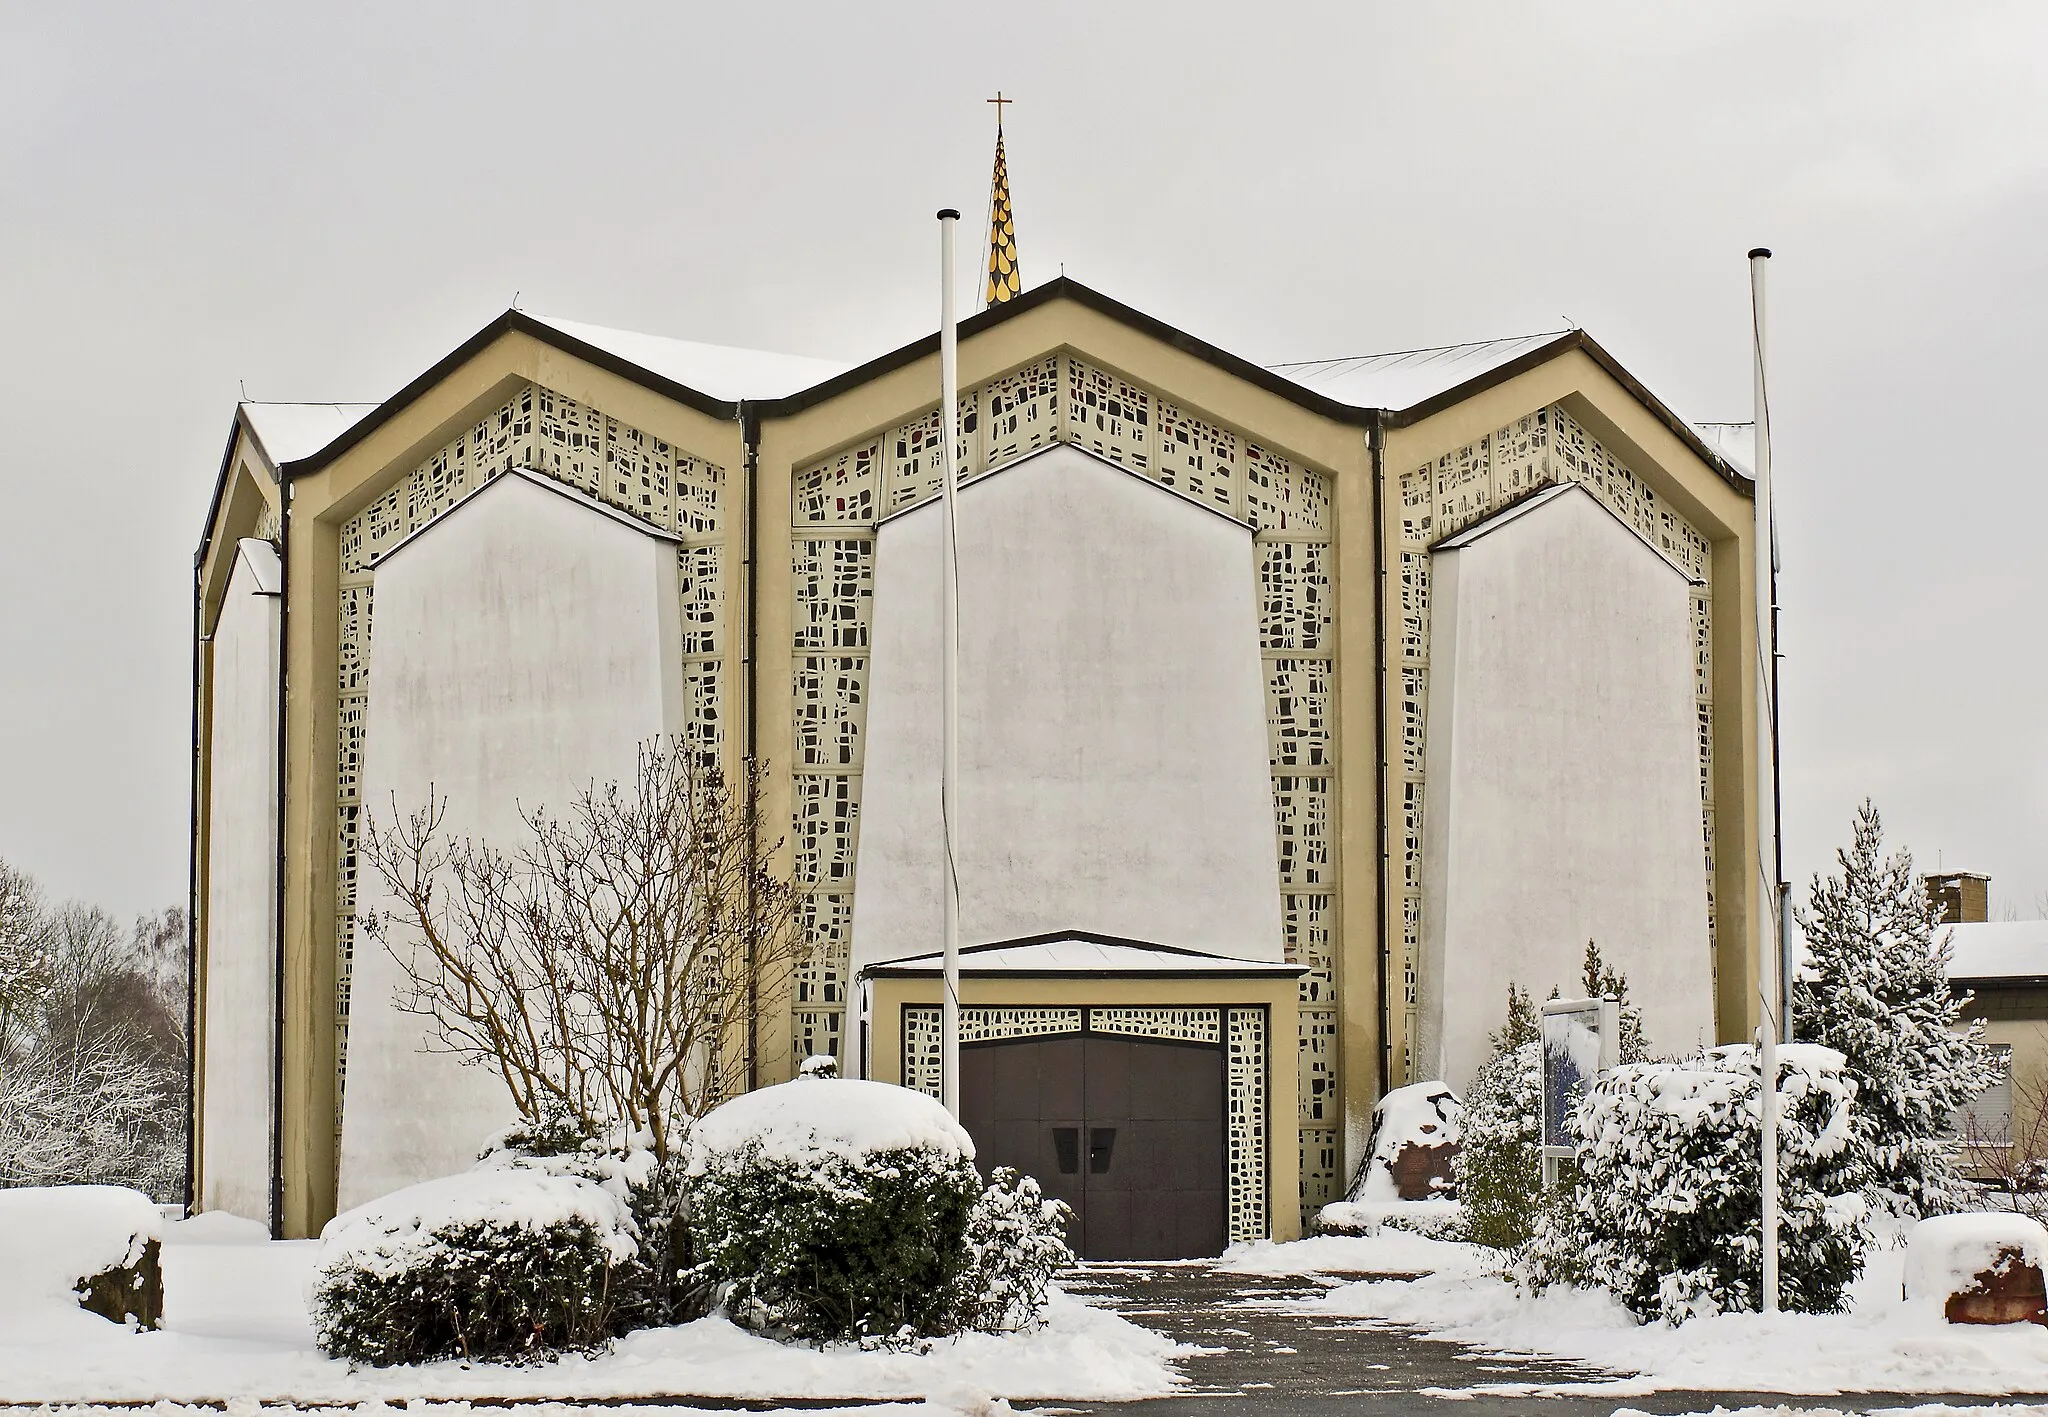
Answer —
1303 709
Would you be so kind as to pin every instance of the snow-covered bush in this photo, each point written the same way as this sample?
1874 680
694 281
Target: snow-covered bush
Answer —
1874 987
833 1209
1016 1243
82 1247
1499 1173
1666 1212
622 1162
503 1263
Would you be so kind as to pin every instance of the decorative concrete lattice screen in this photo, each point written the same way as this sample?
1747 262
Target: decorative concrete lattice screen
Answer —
546 432
1461 488
1241 1032
836 504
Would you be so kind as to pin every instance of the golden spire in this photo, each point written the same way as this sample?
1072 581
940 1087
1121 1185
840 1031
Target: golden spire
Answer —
1004 282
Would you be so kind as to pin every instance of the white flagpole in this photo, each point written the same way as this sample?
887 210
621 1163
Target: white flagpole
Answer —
1770 967
949 691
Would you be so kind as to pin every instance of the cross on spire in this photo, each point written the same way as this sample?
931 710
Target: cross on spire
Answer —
1004 281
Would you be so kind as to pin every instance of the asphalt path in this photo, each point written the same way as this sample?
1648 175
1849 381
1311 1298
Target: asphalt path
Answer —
1265 1350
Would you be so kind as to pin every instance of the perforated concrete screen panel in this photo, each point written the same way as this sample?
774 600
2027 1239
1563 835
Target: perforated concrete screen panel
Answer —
238 1009
523 646
1113 720
1563 778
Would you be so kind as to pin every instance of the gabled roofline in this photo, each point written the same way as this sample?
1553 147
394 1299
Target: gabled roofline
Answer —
239 426
511 322
1059 288
1067 288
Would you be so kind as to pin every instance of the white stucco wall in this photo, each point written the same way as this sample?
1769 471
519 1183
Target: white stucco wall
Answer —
1562 797
1112 721
239 991
522 647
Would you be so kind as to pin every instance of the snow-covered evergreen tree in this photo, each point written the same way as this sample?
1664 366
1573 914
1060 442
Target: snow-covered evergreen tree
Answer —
1874 987
1666 1211
1499 1171
1602 979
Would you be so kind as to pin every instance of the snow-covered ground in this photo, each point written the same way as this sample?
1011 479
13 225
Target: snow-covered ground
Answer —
235 1327
1387 1252
960 1403
1883 1344
1929 1409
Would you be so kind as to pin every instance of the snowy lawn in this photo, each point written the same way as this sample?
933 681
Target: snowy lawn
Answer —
1883 1344
235 1327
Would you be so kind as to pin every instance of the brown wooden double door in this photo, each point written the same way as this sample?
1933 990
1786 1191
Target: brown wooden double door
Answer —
1128 1131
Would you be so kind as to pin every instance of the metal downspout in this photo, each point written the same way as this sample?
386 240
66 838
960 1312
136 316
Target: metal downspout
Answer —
192 904
277 930
750 440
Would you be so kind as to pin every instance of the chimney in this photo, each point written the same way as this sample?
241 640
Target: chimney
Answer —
1961 897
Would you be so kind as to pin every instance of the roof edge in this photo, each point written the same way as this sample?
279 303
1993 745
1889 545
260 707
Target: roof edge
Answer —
1067 288
238 427
510 322
1612 367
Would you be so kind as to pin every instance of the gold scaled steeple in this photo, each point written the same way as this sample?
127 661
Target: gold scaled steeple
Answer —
1004 282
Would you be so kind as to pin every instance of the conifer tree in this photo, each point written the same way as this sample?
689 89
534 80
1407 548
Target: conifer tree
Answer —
1602 979
1874 987
1499 1171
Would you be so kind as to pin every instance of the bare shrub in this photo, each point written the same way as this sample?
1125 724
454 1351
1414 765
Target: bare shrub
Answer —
610 966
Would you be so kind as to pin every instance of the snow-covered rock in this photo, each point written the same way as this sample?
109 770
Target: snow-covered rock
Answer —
1984 1267
71 1247
1414 1139
804 1121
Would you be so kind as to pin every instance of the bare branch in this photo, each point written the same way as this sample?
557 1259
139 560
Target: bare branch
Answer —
606 967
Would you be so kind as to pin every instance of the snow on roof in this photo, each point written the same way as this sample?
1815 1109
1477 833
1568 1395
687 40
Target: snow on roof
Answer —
1408 377
1998 949
261 558
719 371
290 431
1084 954
1733 441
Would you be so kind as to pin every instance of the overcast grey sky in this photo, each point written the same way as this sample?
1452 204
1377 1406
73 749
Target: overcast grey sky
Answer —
319 206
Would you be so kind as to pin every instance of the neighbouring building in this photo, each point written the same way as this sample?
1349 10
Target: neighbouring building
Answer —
1303 709
2003 964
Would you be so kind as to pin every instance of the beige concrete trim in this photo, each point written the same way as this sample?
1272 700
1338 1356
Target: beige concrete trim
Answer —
321 502
1358 741
1671 467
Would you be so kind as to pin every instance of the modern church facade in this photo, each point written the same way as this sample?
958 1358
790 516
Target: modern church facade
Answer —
1303 710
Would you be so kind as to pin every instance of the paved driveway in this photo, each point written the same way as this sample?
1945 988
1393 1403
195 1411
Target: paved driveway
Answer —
1264 1355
